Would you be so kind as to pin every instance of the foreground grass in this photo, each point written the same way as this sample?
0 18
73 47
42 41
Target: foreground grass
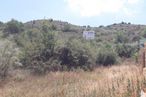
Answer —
115 81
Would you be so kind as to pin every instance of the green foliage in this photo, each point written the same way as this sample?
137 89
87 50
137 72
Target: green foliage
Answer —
136 38
106 57
66 28
31 47
45 28
121 38
13 27
125 50
50 20
6 58
135 57
52 27
43 50
77 54
37 49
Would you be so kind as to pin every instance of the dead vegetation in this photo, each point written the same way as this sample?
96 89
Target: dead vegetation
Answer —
116 81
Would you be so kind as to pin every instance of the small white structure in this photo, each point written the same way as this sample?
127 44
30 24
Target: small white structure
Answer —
89 35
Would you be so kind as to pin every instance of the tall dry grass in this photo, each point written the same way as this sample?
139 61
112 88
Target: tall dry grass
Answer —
115 81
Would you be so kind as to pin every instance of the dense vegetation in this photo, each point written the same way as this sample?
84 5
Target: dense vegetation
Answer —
48 45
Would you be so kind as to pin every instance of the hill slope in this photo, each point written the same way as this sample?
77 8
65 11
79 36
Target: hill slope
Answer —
105 32
56 45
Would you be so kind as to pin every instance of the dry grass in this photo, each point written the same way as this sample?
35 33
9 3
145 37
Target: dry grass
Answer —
115 81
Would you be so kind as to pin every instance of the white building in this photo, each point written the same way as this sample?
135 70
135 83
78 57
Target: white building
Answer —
89 35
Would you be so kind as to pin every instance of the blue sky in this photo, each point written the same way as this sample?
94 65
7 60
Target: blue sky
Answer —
79 12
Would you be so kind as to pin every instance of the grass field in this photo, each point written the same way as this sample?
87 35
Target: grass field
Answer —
116 81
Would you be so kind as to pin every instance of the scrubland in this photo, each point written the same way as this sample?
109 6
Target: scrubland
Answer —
49 58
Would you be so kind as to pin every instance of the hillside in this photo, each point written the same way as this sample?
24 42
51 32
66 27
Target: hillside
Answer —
53 59
51 45
105 33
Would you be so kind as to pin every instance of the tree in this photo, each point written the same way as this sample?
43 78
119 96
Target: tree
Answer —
66 28
7 58
38 49
76 54
13 27
52 27
125 50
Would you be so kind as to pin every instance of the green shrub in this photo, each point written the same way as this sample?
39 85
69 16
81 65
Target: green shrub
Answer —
74 59
13 27
125 50
106 57
53 27
136 38
6 58
51 20
77 54
121 38
66 28
37 49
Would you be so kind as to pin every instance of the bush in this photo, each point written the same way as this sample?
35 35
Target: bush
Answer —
106 57
6 59
136 38
66 28
13 27
77 54
38 49
74 59
125 50
50 20
121 38
53 27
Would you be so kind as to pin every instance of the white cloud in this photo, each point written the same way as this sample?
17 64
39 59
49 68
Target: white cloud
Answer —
89 8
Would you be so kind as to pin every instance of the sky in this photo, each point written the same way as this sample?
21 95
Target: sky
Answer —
79 12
